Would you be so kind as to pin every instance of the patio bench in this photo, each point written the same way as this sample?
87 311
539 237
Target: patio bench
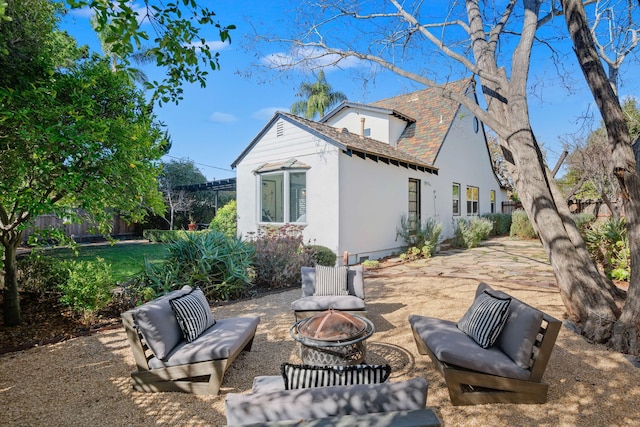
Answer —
167 362
398 404
510 371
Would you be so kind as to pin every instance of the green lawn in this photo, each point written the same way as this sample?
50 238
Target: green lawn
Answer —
126 259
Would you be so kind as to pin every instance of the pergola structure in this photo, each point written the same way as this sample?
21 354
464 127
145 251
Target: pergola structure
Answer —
227 184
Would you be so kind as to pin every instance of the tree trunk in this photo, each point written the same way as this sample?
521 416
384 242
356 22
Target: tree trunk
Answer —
11 299
626 333
587 295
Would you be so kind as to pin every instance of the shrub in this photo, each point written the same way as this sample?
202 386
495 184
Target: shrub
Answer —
88 288
322 255
608 245
163 236
371 263
583 221
218 264
421 240
279 255
501 223
521 226
41 274
226 219
469 233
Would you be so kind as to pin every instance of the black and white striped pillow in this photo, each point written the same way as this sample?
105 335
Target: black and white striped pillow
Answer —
484 320
306 376
331 281
193 313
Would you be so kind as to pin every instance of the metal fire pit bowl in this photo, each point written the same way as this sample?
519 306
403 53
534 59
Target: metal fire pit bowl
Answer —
332 338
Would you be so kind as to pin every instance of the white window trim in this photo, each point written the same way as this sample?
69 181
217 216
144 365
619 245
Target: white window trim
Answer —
285 197
477 212
459 198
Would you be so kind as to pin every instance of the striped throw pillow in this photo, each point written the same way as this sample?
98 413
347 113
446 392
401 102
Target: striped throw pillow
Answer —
484 320
306 376
193 313
331 281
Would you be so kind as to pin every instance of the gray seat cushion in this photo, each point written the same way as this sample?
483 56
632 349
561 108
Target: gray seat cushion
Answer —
452 346
321 402
519 333
218 342
321 303
158 324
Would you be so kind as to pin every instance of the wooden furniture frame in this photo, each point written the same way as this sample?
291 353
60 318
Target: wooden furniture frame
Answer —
202 378
468 387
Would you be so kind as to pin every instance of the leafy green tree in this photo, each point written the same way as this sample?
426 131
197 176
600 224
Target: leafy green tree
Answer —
178 45
77 138
318 98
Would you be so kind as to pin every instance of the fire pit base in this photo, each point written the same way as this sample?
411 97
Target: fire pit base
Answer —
338 348
352 354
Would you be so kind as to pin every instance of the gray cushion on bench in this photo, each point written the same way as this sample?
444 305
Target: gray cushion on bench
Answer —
321 402
348 302
452 346
158 325
218 342
519 333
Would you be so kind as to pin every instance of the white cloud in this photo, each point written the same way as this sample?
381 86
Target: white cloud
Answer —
267 113
219 117
215 46
139 9
310 58
85 12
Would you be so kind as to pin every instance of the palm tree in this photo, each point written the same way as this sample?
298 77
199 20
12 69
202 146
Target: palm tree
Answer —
141 57
319 97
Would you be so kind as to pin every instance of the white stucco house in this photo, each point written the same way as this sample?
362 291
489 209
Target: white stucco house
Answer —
350 177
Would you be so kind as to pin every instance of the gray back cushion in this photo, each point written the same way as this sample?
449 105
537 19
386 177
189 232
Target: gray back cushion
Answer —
158 324
519 333
355 281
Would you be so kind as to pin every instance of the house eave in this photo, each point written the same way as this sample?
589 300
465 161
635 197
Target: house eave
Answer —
376 157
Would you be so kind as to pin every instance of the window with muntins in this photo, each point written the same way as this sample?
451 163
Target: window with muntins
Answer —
456 198
414 203
472 200
283 195
493 201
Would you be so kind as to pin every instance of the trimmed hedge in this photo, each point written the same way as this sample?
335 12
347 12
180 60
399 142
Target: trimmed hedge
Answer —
521 226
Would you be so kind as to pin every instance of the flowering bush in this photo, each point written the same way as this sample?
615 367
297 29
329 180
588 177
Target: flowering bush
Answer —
279 255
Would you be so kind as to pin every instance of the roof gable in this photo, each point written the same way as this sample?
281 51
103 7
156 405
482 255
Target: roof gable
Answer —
350 143
433 116
366 108
362 146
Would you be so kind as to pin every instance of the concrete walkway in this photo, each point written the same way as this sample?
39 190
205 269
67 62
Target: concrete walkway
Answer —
500 259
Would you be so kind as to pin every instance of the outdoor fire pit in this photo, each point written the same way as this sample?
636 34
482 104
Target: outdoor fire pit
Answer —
332 338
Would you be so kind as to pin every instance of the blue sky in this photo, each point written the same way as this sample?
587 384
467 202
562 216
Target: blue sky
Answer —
212 125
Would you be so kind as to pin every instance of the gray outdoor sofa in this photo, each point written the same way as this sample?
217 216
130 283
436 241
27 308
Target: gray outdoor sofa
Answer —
309 303
510 371
166 362
398 404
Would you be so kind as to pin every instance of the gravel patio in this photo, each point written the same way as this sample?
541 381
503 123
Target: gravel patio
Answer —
85 381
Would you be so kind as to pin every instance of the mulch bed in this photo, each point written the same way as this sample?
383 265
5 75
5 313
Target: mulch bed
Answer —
45 321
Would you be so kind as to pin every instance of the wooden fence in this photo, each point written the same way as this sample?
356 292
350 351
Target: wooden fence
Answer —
80 232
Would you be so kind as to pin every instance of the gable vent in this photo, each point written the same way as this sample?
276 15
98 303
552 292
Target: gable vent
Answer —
280 128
